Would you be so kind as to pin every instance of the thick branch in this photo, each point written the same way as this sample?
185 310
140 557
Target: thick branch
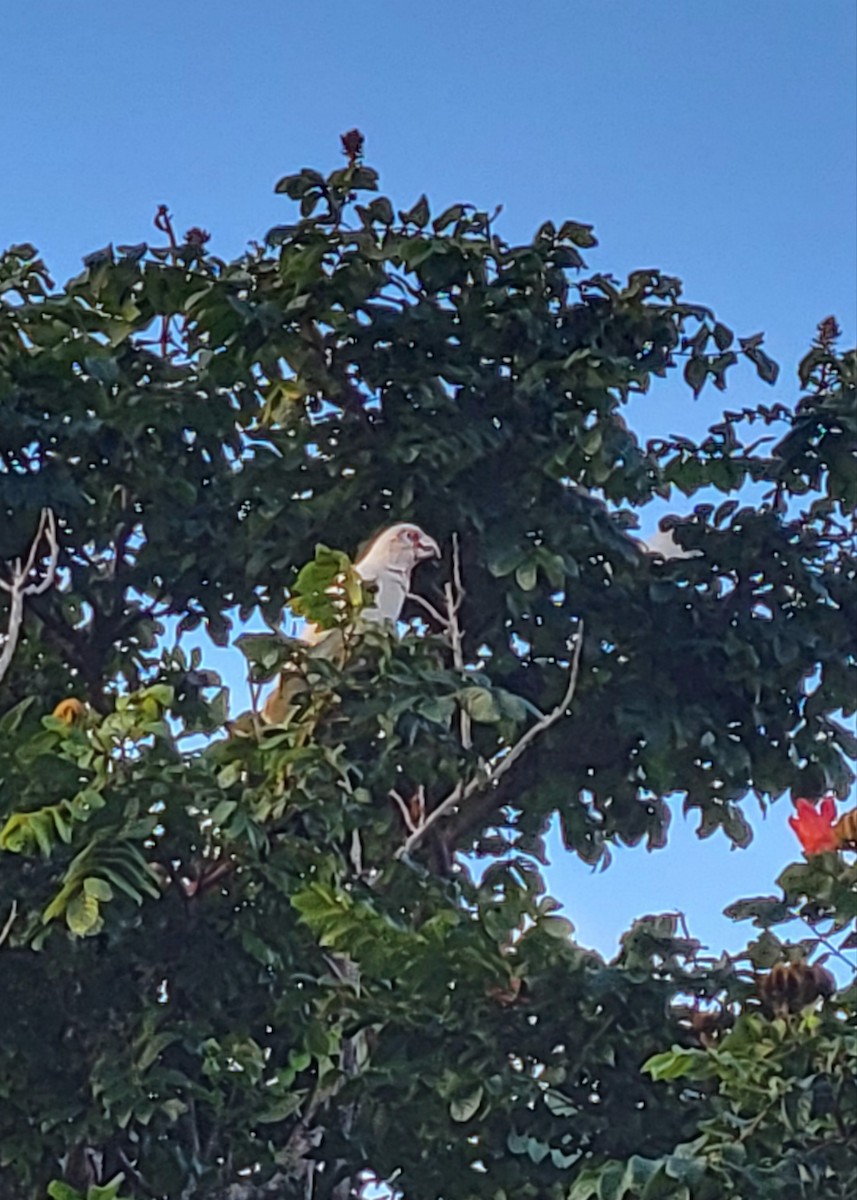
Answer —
603 747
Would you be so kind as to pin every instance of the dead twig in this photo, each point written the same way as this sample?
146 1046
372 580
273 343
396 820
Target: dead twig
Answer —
492 773
20 585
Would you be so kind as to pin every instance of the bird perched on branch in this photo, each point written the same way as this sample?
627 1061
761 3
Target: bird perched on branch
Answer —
387 564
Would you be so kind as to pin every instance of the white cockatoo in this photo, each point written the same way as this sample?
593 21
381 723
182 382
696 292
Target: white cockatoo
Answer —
387 563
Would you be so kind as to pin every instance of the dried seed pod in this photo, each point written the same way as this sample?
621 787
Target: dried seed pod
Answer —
791 987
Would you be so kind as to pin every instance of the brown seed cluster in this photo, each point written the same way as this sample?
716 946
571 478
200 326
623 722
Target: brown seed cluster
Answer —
352 146
791 987
828 332
197 236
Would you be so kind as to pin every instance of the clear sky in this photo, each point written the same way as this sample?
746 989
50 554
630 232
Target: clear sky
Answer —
716 141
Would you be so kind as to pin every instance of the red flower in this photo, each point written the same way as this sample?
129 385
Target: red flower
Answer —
815 828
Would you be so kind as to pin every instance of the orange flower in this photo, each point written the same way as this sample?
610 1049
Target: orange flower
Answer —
71 710
815 828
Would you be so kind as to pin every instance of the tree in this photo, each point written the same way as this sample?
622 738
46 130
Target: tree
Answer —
243 960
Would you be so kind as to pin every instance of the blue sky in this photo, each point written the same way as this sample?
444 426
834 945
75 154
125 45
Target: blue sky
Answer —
714 141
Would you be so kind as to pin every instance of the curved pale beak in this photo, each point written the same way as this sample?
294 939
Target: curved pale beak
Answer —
428 547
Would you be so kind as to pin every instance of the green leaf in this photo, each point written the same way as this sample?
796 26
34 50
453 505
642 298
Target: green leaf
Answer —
762 910
41 827
154 1047
57 1190
161 693
225 808
479 703
107 1191
449 217
282 1109
765 951
696 368
591 439
526 576
381 210
365 179
418 215
11 720
100 889
87 802
578 234
83 915
265 650
467 1107
327 591
503 558
299 1060
102 368
557 927
672 1064
723 336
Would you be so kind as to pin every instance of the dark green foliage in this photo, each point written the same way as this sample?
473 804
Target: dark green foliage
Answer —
217 966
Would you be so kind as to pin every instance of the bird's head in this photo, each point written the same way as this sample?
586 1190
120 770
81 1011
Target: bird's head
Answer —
401 547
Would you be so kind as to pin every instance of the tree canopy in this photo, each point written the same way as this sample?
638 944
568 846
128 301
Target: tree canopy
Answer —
242 960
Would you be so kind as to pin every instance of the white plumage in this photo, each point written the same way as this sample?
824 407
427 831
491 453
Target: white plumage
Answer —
387 563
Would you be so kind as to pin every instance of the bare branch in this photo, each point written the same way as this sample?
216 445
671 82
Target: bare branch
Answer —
10 921
454 593
430 609
47 528
21 585
355 854
404 810
456 572
493 773
16 615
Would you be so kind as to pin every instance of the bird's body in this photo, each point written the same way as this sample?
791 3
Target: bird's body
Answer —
387 563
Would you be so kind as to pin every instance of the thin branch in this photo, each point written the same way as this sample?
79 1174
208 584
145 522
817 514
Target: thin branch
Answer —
16 616
430 609
461 793
47 528
454 593
19 587
404 810
139 1179
10 921
456 572
826 942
